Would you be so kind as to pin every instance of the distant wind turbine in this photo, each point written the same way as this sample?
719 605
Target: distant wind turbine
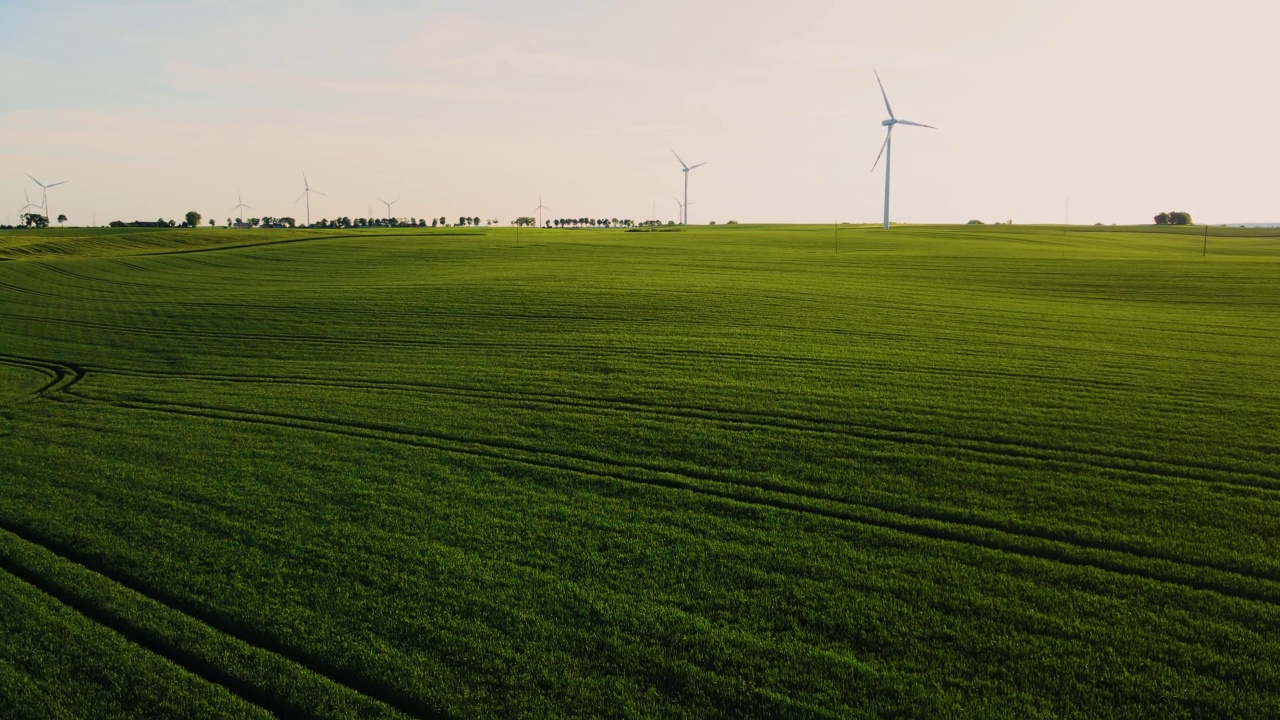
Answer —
680 205
684 220
44 194
241 207
306 192
539 209
28 206
886 150
388 204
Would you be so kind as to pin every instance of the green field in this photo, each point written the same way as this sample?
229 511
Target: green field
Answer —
734 471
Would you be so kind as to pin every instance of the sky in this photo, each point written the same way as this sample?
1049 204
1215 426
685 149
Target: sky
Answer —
1093 111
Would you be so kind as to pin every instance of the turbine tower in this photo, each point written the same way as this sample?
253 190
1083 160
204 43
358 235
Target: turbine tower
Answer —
306 192
539 210
388 204
886 150
684 220
44 194
241 207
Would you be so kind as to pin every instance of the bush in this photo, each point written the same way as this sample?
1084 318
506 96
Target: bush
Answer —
976 222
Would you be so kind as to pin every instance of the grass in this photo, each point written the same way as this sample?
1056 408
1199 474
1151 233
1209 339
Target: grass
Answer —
997 471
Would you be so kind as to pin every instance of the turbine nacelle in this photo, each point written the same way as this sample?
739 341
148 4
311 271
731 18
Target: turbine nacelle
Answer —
890 121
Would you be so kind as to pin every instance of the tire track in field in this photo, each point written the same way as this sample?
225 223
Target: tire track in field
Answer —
220 248
149 639
1015 453
613 351
943 527
206 672
134 286
35 293
62 376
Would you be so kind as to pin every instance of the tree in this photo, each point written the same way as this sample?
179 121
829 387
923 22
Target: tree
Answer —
35 219
1173 218
211 222
62 219
193 219
976 222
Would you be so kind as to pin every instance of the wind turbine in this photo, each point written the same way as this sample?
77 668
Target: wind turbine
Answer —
28 206
241 207
886 150
681 205
44 194
306 192
388 204
539 209
685 205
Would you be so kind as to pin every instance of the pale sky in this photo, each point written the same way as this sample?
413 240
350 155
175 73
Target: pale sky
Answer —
1127 108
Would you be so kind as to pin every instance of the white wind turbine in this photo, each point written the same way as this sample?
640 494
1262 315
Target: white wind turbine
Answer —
306 192
539 210
682 207
886 150
44 194
241 207
388 204
685 205
28 206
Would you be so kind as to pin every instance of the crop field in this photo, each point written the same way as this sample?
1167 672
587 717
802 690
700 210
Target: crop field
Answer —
738 471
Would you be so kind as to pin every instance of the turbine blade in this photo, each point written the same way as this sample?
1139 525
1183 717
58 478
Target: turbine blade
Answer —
916 124
34 180
64 182
883 94
698 165
317 192
305 184
304 193
882 147
673 152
